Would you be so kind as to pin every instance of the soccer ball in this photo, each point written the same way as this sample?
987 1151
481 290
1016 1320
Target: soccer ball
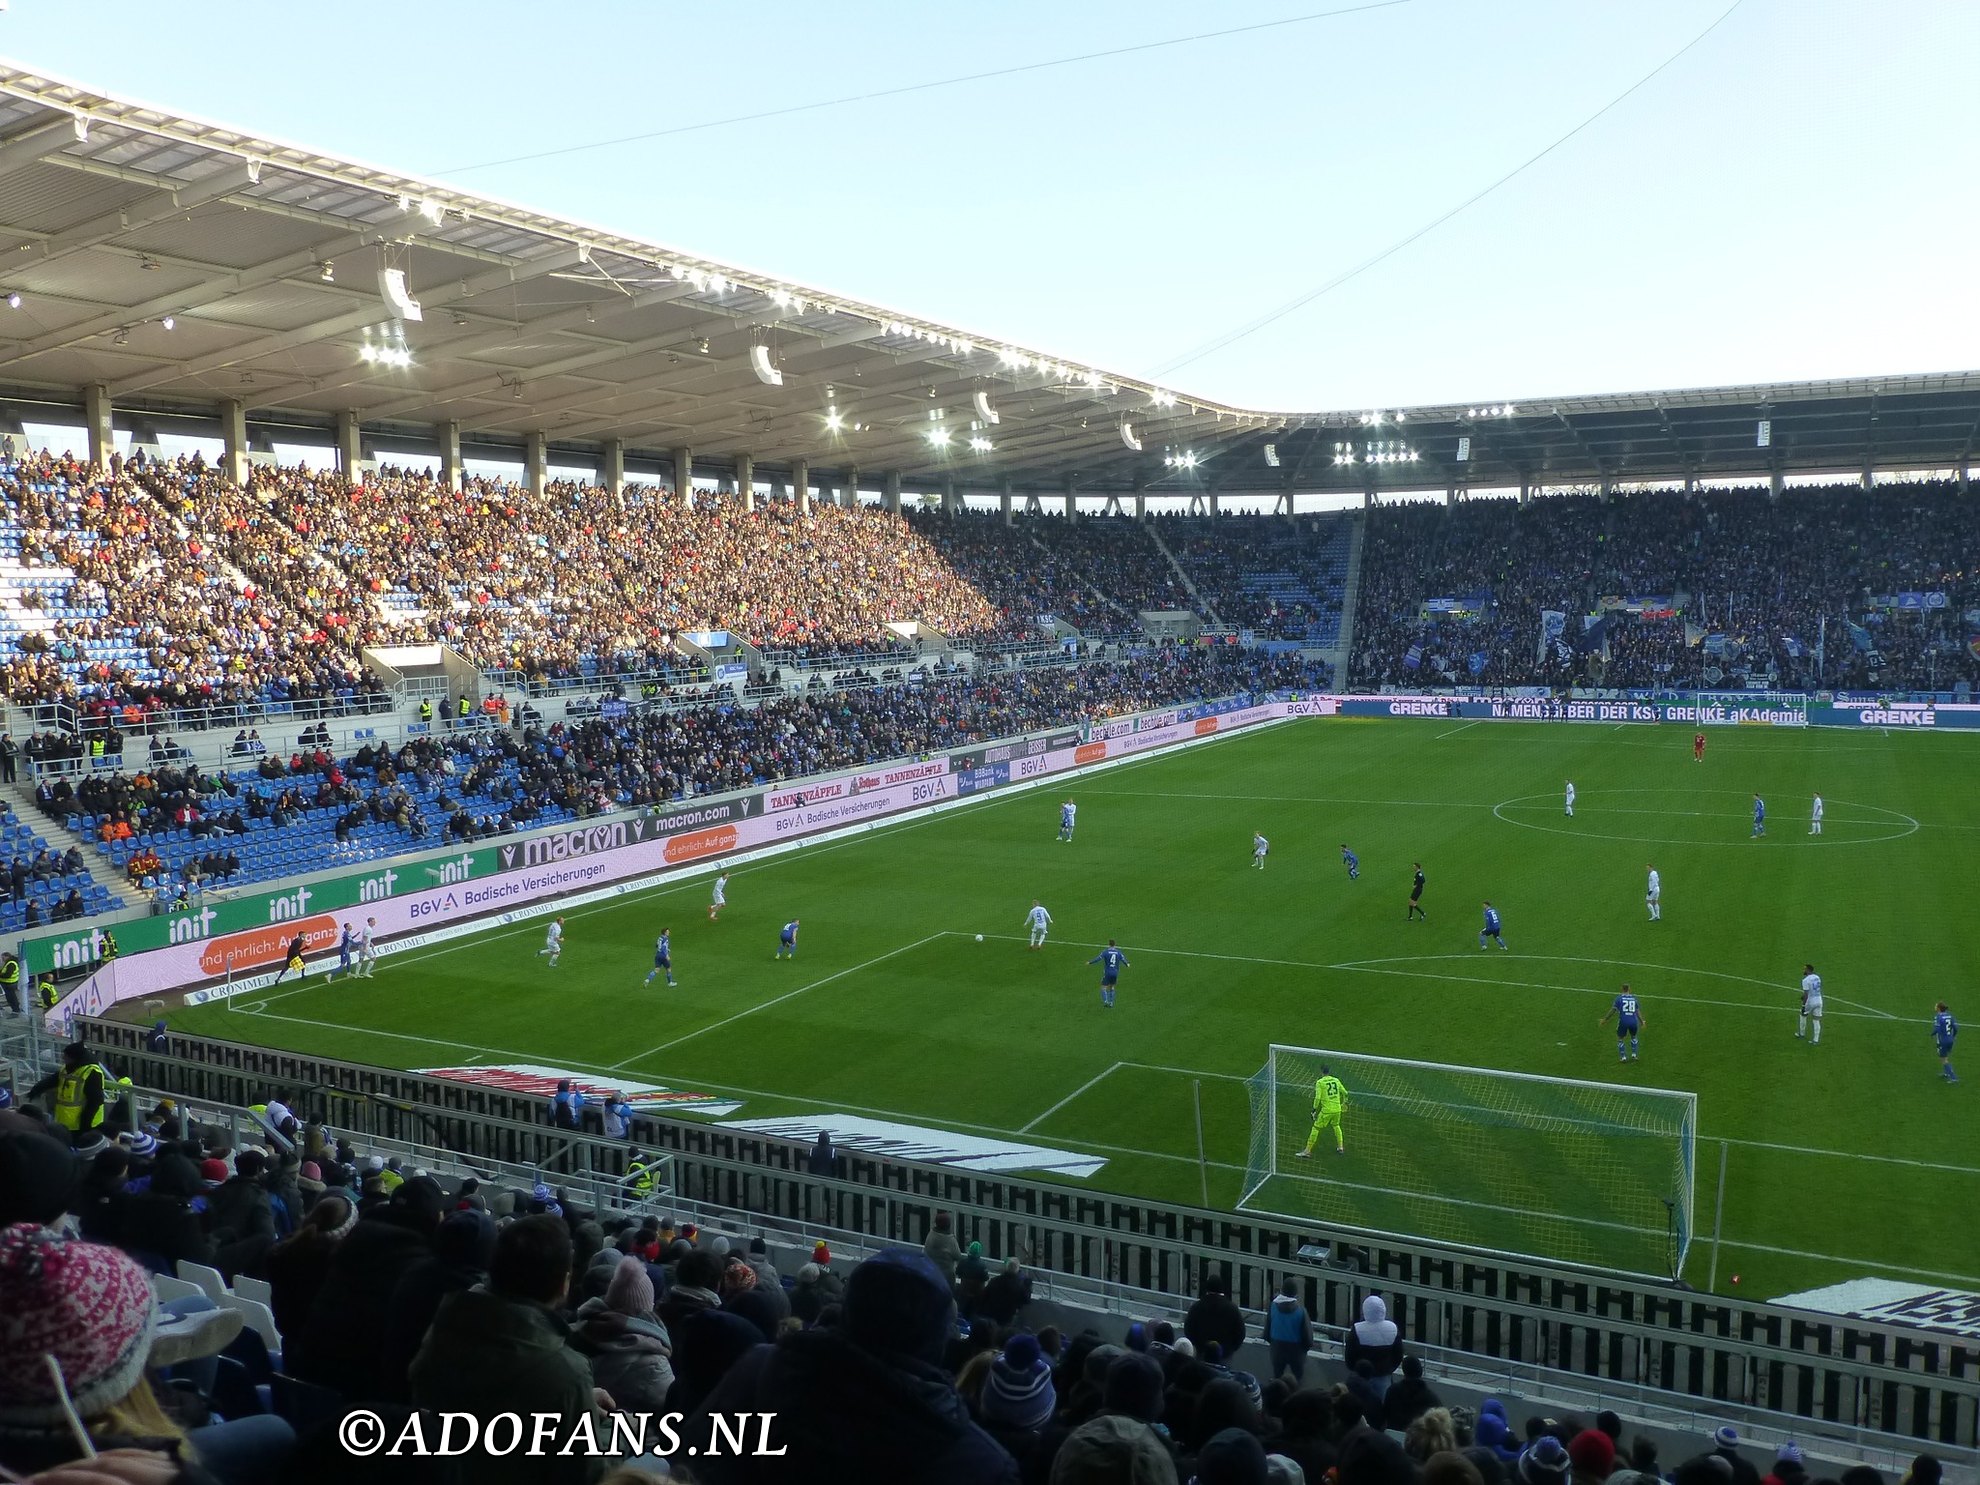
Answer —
979 938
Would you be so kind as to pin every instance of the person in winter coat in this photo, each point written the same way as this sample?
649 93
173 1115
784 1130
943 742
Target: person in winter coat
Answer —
1375 1340
630 1350
500 1348
697 1285
766 1271
338 1347
159 1223
1008 1292
862 1401
239 1217
1289 1331
462 1250
296 1267
823 1159
1214 1318
808 1295
1410 1397
942 1249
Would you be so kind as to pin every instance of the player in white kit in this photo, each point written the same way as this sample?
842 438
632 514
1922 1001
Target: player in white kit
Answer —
1653 896
553 942
1259 847
1811 1005
1037 920
368 948
1570 799
720 899
1815 819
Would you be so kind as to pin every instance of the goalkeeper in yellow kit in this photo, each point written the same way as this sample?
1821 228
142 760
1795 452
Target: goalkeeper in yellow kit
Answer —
1329 1097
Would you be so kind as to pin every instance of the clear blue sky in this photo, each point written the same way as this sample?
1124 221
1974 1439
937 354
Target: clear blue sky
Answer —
1794 198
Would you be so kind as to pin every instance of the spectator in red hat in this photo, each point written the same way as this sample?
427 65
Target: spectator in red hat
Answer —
1593 1455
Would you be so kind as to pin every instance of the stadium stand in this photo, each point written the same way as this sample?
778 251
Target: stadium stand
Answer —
1265 575
1787 593
138 592
172 827
298 1274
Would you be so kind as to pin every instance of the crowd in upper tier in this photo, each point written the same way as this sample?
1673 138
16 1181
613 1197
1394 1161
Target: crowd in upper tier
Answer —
1781 592
138 592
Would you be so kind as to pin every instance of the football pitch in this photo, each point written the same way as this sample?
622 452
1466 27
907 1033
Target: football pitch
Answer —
1841 1160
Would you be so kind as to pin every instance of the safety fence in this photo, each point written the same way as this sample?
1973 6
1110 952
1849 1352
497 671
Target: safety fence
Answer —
1840 1372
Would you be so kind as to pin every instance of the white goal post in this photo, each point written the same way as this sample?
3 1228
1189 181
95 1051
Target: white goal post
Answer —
1519 1165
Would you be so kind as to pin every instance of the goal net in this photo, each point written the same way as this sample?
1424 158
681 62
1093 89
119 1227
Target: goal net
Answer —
1510 1163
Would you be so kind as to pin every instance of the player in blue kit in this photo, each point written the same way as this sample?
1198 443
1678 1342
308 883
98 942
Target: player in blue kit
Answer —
1759 818
346 946
1629 1020
1945 1031
1491 928
1352 862
663 957
1068 812
787 940
1111 961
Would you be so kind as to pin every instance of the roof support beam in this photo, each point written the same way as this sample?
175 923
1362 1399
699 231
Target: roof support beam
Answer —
36 142
198 296
495 278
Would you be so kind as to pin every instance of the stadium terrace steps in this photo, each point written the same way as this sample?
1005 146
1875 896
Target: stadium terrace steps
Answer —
1350 594
1182 575
21 834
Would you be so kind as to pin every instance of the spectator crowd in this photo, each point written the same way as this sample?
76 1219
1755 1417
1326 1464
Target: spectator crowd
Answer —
396 1291
1778 592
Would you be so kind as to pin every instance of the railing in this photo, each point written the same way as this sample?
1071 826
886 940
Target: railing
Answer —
239 714
590 1169
1846 1374
903 653
630 682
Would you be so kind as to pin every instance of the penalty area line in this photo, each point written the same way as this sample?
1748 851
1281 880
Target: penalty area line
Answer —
1087 1086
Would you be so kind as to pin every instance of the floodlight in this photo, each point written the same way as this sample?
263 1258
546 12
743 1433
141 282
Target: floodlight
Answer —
13 299
168 322
981 445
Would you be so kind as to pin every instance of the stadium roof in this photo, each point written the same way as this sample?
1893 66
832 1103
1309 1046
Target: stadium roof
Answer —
179 264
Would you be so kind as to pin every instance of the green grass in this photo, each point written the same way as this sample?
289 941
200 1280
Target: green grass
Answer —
1842 1160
